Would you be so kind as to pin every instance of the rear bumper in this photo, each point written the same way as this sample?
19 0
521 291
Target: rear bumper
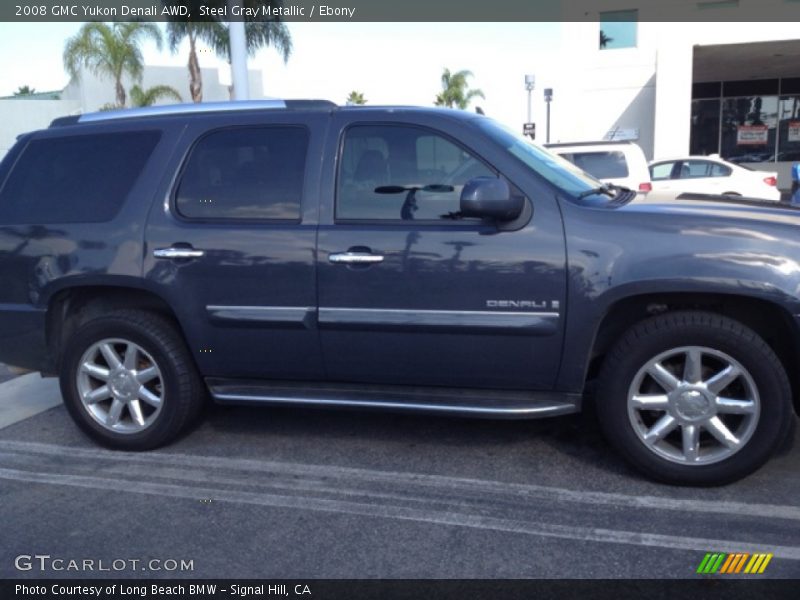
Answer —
23 342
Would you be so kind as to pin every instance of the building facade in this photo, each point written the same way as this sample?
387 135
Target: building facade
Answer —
679 88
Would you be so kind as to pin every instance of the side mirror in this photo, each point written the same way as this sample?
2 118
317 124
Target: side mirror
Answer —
490 198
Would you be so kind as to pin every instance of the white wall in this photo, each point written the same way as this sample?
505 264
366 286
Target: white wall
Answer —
21 116
599 90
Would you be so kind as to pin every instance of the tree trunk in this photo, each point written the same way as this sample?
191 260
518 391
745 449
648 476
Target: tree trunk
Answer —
195 76
120 93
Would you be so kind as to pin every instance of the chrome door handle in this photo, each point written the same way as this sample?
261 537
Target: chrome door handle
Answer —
178 253
355 258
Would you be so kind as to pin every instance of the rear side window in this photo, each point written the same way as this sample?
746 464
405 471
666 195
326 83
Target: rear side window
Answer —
691 169
602 165
75 179
245 173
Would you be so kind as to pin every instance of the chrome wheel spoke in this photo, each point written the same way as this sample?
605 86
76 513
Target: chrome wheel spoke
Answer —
650 402
691 442
723 379
693 368
95 371
147 374
135 409
660 429
131 356
732 406
719 430
114 412
663 377
149 397
97 395
110 355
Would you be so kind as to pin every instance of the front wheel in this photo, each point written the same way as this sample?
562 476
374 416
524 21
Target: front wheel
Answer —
694 398
129 382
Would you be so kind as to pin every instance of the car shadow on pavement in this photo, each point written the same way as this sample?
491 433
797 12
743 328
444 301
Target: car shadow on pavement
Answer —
571 438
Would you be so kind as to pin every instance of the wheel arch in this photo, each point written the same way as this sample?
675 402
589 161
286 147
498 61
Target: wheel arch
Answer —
769 320
69 308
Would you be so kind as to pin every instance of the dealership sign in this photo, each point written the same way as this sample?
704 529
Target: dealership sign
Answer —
752 135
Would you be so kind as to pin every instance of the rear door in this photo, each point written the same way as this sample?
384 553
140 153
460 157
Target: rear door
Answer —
411 294
231 246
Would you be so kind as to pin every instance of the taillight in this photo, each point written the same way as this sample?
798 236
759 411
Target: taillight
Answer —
773 181
646 187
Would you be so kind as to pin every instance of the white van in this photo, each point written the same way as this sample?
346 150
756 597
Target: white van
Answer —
618 163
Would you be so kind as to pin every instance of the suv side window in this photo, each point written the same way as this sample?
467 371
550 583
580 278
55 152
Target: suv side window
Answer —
398 172
75 179
602 165
245 173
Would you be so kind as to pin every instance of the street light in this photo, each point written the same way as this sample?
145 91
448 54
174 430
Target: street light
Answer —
548 98
530 83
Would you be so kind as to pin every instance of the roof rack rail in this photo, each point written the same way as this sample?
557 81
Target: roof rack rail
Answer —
180 109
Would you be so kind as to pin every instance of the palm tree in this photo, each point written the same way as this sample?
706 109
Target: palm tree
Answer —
110 51
148 97
356 98
24 90
455 90
604 39
259 34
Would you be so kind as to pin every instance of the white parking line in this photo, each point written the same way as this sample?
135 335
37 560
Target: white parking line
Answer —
26 396
400 512
455 486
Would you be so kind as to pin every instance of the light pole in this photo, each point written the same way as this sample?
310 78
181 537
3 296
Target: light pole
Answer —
238 53
548 98
530 83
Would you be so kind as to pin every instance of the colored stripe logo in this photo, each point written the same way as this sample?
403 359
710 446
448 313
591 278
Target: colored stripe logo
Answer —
736 563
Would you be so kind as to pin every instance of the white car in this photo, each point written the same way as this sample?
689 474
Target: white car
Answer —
618 163
712 175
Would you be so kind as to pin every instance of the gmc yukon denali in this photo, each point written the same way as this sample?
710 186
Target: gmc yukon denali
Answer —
428 260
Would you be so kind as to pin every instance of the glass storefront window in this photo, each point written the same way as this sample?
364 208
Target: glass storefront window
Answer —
789 128
704 139
749 127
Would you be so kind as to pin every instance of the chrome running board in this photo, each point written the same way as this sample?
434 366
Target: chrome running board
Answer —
493 404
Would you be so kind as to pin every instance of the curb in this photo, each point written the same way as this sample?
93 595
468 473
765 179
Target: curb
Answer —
26 396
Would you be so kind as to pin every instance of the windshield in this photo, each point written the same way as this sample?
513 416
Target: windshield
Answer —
558 171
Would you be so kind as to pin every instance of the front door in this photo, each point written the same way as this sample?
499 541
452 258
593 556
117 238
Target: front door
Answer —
411 294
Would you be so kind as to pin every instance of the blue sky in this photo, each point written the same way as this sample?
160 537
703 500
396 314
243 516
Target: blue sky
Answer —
391 63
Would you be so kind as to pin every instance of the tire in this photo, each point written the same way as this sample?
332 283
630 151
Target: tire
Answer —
141 386
671 379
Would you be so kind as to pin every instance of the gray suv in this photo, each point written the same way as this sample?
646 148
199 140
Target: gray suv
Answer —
428 260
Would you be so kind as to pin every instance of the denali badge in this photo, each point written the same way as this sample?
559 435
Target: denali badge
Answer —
535 304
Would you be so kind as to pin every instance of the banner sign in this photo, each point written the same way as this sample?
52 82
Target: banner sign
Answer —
752 135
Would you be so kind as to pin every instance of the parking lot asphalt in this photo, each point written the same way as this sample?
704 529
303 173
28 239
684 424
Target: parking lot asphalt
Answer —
301 493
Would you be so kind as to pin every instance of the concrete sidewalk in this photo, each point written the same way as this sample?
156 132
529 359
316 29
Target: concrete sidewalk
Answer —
26 396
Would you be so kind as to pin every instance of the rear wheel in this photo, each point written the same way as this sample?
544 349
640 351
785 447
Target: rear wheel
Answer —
129 382
694 398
